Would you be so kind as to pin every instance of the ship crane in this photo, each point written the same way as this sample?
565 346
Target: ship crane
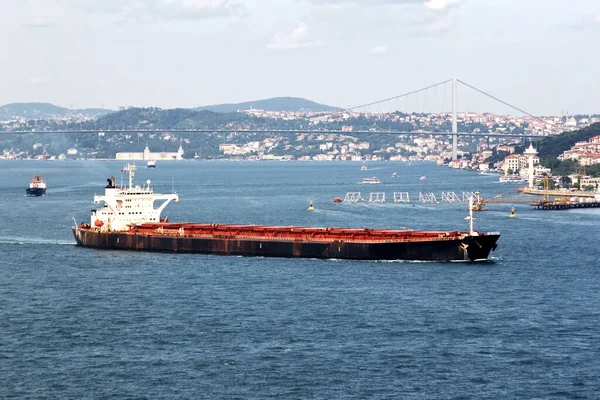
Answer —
480 203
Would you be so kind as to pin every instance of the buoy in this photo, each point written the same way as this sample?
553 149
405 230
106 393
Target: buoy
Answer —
310 206
512 212
337 200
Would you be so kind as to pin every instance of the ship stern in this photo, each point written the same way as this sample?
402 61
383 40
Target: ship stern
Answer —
78 235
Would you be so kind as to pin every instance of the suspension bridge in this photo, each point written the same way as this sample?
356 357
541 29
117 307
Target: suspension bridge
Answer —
363 108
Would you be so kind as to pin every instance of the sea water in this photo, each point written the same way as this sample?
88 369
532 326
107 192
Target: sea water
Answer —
83 323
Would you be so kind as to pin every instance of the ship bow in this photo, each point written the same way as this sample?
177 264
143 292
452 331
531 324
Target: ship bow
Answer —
479 247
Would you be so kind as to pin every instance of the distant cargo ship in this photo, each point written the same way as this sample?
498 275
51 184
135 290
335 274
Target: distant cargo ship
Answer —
372 180
37 187
129 221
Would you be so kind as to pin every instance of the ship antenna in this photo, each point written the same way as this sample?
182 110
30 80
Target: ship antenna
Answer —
131 169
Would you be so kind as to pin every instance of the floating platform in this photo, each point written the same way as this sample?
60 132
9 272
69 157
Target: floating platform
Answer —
564 204
377 197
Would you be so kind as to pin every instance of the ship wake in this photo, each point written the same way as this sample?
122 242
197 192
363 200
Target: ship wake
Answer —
23 240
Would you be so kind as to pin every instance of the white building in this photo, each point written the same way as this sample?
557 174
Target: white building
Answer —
511 163
147 155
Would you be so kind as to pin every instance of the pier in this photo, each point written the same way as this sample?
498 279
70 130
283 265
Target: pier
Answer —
559 204
546 192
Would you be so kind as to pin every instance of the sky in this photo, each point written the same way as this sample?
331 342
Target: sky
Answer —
542 56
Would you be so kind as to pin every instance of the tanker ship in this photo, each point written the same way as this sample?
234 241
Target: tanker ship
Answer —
37 187
129 221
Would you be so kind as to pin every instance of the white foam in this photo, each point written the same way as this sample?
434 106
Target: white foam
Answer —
21 241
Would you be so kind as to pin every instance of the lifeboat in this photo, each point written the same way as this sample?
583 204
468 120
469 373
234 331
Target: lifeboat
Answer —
337 200
98 223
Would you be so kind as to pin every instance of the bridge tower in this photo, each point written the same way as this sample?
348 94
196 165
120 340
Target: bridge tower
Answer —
454 122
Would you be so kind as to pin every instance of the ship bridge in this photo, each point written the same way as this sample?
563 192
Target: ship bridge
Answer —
129 206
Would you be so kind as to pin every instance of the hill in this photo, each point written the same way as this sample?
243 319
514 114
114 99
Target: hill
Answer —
292 104
177 118
45 110
553 146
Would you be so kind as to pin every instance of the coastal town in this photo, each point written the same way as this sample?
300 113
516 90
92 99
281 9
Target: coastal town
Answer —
301 146
426 140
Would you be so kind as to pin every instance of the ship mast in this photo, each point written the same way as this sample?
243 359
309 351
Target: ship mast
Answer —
130 170
471 218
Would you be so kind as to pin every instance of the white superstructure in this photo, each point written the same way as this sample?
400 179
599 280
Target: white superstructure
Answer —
37 182
128 206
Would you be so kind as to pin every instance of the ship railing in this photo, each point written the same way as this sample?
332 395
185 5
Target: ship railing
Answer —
363 237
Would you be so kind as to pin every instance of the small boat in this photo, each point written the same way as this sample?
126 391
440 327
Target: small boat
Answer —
511 178
151 164
372 180
337 200
37 187
364 168
394 175
423 178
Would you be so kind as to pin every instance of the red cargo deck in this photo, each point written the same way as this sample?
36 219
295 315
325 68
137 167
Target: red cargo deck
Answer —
291 233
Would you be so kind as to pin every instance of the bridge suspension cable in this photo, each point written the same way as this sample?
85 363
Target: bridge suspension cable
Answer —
397 97
502 101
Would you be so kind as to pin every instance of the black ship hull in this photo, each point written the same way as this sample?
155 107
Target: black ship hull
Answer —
468 248
35 192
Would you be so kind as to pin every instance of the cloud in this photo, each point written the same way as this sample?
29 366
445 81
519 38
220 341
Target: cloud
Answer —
382 49
586 23
40 80
163 9
373 2
437 5
300 37
39 22
437 25
420 17
441 5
